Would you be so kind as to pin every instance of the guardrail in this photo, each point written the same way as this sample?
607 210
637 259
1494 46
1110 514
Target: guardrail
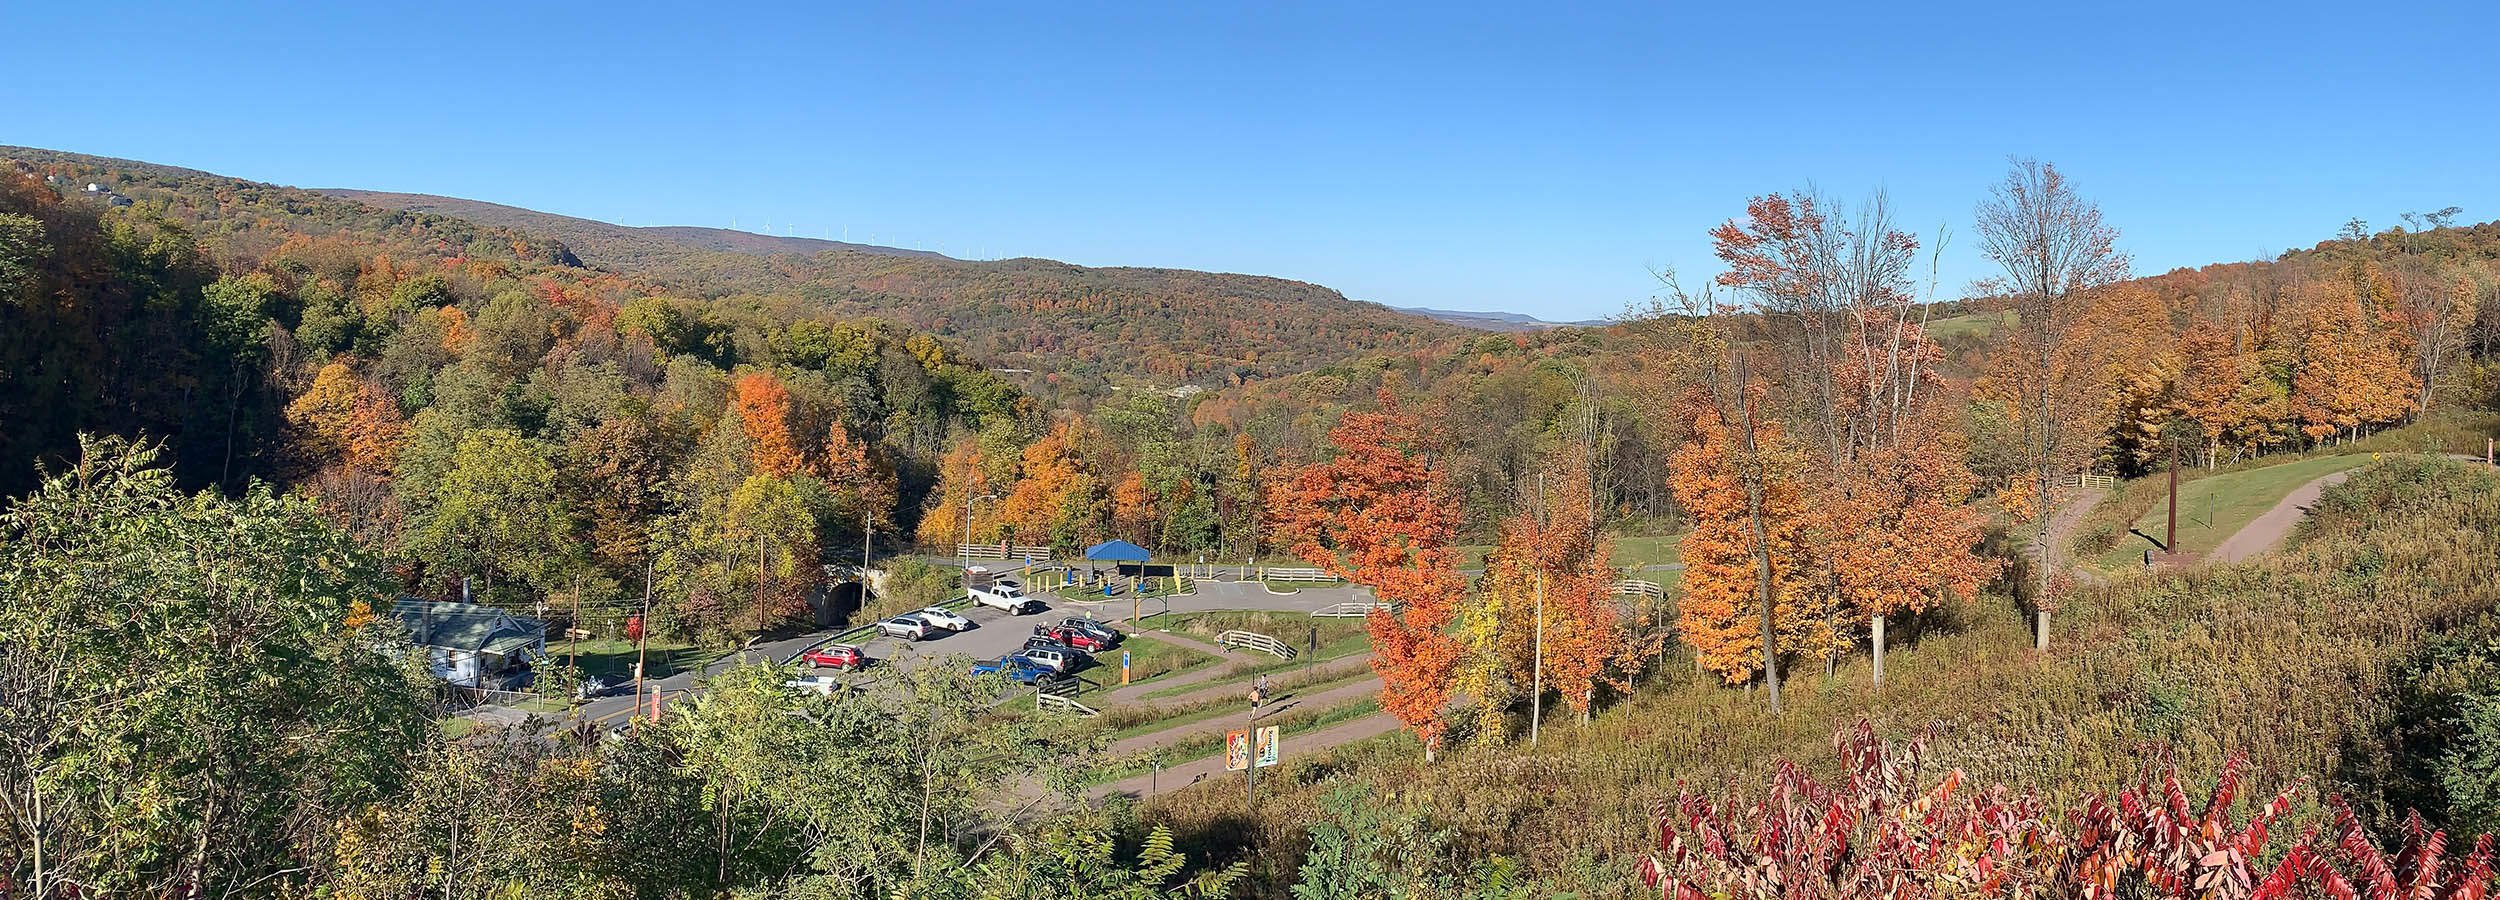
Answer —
1002 551
1252 640
1274 573
1355 610
1630 586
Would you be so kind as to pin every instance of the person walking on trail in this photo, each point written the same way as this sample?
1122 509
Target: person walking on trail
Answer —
1258 695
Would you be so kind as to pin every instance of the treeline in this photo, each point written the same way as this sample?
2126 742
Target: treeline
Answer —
501 425
1080 330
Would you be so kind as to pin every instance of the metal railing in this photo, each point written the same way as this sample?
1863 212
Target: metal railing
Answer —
1252 640
1649 589
1354 610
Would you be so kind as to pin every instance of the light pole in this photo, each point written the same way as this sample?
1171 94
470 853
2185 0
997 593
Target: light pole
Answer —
962 552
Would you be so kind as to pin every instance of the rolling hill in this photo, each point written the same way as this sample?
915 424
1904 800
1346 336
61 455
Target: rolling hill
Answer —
1078 329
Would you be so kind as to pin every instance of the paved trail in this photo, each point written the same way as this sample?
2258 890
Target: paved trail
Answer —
2268 530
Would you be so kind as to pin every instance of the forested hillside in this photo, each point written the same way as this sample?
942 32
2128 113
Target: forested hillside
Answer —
1073 326
466 400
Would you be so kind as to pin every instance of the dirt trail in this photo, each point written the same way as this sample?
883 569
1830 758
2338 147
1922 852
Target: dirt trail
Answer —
1211 767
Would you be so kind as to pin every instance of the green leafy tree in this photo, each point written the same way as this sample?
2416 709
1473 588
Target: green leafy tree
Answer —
498 511
189 688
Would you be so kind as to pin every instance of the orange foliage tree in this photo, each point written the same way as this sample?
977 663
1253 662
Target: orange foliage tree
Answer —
350 419
1379 515
961 479
763 406
1055 492
1721 613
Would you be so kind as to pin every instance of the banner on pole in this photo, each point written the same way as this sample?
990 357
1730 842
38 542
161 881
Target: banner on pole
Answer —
1236 751
1268 741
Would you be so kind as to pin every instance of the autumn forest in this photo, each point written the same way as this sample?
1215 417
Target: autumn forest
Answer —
1812 577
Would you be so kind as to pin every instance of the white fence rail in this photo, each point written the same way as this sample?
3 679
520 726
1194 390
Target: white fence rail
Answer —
1046 700
1002 551
1630 586
1251 640
2089 480
1354 610
1276 573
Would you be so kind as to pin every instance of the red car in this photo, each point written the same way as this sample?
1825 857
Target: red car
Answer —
1074 637
836 656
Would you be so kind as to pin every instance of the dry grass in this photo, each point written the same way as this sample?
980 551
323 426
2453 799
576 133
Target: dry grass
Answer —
2283 659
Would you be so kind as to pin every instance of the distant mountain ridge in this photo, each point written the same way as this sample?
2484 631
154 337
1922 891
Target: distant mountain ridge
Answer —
607 244
1078 329
1489 321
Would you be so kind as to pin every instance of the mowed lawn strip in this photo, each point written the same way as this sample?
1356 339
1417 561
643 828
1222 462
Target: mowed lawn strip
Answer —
2213 508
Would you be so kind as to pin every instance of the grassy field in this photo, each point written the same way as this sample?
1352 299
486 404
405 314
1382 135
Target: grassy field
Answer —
2289 660
1150 659
615 657
1300 721
1648 551
1975 324
2213 508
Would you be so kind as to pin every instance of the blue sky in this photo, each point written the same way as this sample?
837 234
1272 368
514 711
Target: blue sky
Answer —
1539 158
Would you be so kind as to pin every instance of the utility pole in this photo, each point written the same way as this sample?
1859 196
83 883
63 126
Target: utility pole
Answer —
1536 693
573 635
645 639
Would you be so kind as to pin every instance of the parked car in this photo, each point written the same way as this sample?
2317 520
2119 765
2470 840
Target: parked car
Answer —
1017 669
907 627
941 617
1079 638
823 684
603 686
836 656
1094 625
1059 658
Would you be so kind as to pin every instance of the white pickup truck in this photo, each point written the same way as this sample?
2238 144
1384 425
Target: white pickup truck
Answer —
1002 593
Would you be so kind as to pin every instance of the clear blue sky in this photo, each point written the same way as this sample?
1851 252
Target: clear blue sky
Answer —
1538 158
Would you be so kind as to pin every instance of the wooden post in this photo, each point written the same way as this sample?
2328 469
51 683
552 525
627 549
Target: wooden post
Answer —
1879 650
2170 538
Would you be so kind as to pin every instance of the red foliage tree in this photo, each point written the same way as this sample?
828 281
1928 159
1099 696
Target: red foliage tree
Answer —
1380 515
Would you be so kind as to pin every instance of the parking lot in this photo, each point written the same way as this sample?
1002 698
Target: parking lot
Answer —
997 633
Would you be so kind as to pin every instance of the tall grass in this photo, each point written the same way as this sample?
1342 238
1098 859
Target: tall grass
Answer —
2285 658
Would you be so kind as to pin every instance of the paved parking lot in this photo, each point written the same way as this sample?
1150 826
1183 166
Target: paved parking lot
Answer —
996 633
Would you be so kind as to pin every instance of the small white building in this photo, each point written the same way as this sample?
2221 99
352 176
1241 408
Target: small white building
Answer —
469 645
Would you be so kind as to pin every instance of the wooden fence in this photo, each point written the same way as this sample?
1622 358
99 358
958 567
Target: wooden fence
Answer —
1002 550
1277 573
1251 640
1630 586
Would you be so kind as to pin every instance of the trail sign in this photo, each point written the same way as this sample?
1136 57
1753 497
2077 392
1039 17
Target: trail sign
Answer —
1267 742
1237 751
